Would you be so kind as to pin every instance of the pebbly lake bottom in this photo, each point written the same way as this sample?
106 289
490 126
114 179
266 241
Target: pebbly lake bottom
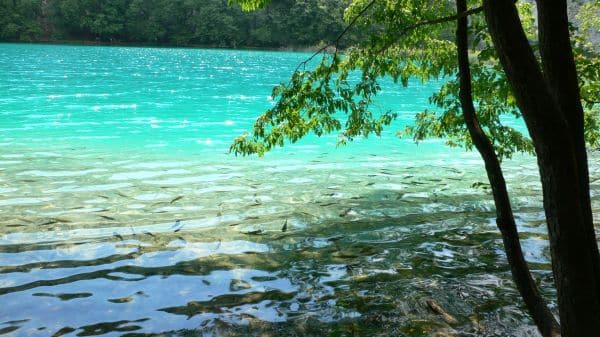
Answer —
317 245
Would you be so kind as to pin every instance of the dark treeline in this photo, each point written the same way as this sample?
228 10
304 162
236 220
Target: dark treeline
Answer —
284 23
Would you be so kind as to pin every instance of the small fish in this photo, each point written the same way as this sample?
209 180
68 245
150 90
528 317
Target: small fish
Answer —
103 197
122 195
121 300
479 184
107 217
284 228
234 224
177 198
335 238
61 220
19 321
117 235
179 226
327 204
345 254
256 232
148 233
348 211
49 222
370 184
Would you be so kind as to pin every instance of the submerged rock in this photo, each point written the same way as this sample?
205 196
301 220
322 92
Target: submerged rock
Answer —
237 285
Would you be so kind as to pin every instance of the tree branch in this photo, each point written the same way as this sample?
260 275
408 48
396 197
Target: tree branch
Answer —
335 43
399 34
436 21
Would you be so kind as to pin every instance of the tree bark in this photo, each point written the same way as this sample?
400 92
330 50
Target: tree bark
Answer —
552 117
559 70
538 309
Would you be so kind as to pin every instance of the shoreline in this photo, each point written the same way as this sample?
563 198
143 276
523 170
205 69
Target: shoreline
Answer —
90 43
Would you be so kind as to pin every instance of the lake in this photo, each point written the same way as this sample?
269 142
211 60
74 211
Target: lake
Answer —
123 214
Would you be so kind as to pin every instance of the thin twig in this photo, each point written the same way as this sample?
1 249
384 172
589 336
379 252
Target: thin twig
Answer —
336 42
410 28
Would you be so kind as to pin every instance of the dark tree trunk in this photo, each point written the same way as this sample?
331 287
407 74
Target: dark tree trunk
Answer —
505 221
550 107
559 70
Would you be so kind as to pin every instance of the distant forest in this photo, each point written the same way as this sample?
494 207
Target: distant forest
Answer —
282 24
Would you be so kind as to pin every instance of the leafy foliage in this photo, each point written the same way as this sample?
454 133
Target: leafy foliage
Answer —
219 23
588 68
249 5
18 20
408 40
589 17
312 102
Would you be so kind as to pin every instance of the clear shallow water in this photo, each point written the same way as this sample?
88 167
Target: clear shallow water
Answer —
121 212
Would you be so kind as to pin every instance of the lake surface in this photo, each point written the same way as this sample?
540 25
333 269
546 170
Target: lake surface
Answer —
122 213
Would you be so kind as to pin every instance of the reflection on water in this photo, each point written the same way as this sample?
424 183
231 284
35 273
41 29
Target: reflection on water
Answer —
102 236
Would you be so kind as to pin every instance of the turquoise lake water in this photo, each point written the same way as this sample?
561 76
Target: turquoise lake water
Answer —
122 213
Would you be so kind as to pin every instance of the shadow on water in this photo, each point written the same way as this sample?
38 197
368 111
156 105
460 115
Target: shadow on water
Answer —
368 270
